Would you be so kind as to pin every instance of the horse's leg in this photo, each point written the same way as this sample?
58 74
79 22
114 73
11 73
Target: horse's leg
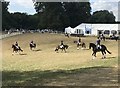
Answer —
94 55
13 52
103 55
61 50
104 38
84 46
77 46
65 50
30 48
57 50
17 51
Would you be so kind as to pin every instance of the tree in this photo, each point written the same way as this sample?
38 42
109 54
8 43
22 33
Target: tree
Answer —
103 16
5 15
77 12
24 21
51 15
58 15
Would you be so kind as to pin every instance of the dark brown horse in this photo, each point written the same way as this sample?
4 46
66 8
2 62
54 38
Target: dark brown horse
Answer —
64 47
103 50
16 48
32 46
82 44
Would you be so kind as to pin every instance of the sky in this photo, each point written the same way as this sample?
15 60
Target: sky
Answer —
27 6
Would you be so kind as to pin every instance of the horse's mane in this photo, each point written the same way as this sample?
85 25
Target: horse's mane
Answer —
92 43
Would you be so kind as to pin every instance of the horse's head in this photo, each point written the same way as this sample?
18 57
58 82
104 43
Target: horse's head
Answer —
92 45
13 46
57 48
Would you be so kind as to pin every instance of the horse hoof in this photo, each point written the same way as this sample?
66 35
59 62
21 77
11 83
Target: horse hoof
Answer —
103 57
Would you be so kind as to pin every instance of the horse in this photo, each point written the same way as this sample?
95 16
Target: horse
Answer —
102 38
81 44
114 38
67 35
62 48
32 46
103 50
15 49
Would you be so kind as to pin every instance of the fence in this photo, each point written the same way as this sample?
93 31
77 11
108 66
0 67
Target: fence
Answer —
9 35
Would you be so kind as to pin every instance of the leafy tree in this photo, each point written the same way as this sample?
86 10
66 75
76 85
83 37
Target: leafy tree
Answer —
58 15
103 16
5 15
77 12
51 15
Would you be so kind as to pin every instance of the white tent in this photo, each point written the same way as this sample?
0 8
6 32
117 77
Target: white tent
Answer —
84 28
69 30
95 29
104 28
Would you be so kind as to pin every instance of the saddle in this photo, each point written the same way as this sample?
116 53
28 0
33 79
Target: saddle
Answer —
99 47
17 47
61 46
32 44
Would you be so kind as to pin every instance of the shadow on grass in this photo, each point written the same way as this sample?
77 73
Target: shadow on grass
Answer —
37 50
23 54
110 58
91 76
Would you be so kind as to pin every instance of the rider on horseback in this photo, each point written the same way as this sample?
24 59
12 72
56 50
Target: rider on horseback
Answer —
79 40
61 45
98 43
16 45
32 43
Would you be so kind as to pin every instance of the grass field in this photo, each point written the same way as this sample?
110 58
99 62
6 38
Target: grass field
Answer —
45 67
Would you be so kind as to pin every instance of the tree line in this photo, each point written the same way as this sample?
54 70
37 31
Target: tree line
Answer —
55 15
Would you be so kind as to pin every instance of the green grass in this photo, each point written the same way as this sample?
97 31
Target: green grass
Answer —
48 68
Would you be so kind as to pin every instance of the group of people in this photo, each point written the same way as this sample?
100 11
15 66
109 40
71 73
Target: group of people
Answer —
17 45
98 41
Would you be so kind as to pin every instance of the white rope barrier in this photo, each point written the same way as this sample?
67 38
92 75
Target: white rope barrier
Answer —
9 35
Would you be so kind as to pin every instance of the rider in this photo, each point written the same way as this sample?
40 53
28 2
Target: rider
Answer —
79 40
61 45
98 43
32 42
16 44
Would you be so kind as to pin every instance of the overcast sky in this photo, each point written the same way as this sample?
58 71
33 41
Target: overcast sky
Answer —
27 6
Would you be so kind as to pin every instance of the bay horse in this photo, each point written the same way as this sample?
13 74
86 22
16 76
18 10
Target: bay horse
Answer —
62 48
82 44
16 49
103 50
32 46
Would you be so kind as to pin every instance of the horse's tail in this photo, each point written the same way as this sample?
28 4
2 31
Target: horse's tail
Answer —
67 46
20 49
35 45
108 51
